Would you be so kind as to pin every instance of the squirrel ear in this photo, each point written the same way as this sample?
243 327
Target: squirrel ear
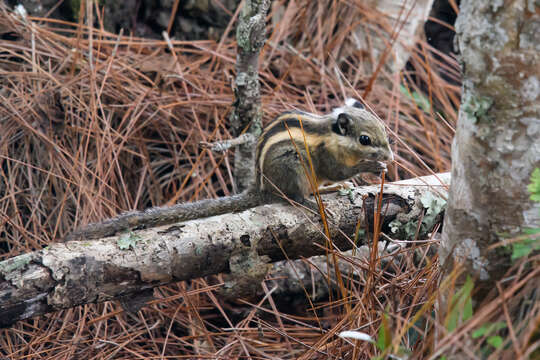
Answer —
342 125
352 102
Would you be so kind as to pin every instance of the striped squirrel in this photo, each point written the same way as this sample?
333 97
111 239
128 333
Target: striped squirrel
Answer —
342 144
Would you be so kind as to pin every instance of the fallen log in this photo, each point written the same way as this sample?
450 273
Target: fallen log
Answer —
64 275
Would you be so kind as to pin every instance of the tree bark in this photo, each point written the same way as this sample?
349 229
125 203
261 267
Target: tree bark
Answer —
247 112
496 145
64 275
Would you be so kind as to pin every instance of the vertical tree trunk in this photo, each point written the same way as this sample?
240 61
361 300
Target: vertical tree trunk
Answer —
250 37
497 142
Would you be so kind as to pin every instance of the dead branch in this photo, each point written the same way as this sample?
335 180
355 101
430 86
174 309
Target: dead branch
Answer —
247 113
64 275
224 145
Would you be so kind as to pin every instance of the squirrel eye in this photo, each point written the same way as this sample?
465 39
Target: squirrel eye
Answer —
364 140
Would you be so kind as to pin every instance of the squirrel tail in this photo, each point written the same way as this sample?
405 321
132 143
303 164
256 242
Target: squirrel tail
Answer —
167 215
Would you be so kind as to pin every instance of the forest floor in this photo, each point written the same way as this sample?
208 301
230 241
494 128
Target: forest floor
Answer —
95 123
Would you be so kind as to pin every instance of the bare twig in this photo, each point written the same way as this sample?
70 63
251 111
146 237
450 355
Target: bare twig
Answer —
224 145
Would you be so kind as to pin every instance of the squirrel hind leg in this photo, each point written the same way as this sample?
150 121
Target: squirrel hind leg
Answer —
284 174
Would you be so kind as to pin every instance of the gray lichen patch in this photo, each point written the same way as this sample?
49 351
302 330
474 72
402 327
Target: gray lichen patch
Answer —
476 107
530 89
406 226
127 241
434 206
247 270
15 263
467 251
250 32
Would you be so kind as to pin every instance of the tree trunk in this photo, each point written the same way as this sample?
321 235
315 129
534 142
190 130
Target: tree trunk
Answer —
496 146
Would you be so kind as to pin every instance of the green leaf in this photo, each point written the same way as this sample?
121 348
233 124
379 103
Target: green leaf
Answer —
467 309
532 231
525 246
495 341
452 321
521 249
419 99
384 339
499 325
534 186
488 328
461 305
481 331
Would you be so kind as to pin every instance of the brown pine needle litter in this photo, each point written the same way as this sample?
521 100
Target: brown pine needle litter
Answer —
94 123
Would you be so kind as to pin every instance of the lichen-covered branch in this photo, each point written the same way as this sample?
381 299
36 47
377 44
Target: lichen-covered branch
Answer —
64 275
247 112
